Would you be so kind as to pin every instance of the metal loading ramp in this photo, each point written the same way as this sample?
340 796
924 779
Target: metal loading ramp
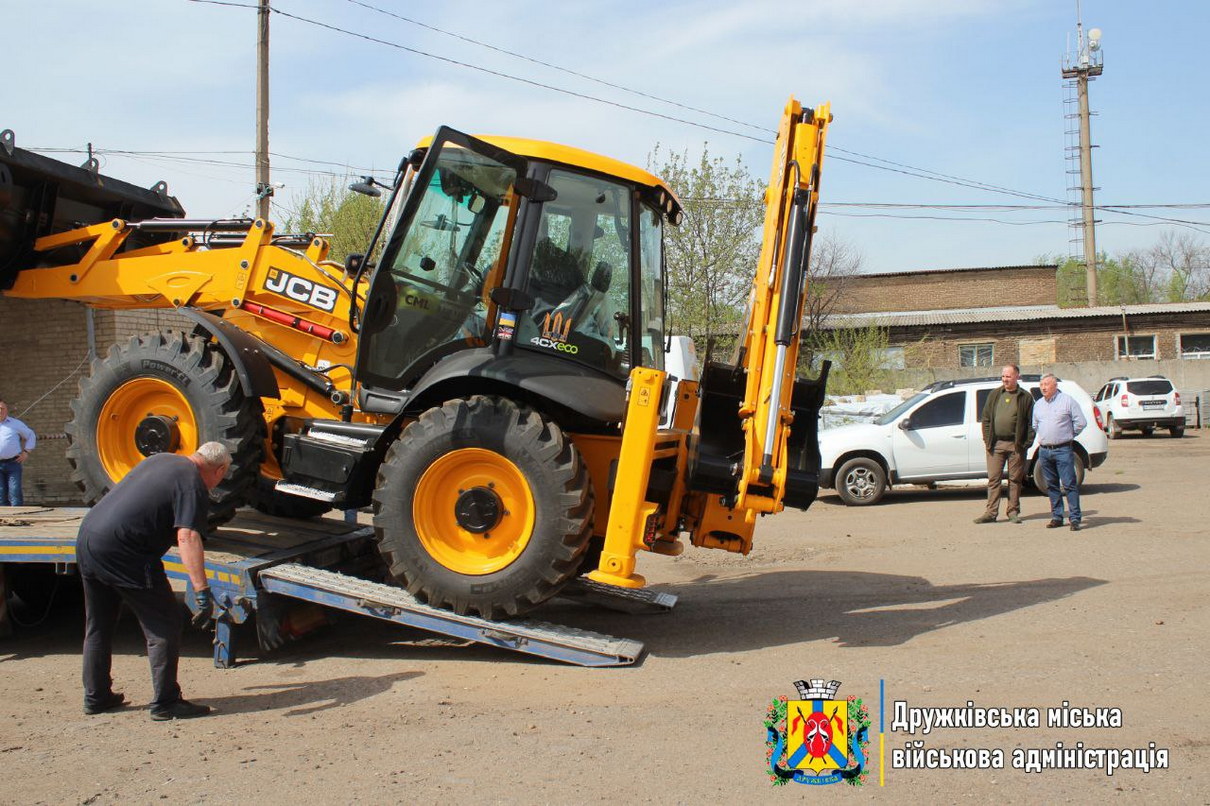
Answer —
567 644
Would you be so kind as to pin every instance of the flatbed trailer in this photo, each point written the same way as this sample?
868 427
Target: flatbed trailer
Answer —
258 565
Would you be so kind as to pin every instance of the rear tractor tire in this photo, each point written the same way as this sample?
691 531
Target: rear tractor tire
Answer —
484 507
162 393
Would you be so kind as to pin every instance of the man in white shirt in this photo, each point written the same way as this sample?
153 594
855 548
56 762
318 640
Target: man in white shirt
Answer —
16 441
1057 419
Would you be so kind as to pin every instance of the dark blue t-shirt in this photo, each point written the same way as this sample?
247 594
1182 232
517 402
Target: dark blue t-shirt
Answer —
124 536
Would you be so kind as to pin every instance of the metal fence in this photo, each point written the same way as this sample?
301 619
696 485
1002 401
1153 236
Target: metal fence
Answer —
1196 404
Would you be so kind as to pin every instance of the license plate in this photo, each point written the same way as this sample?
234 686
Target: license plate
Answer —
1153 404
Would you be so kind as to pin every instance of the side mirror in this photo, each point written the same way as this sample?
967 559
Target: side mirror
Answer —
905 424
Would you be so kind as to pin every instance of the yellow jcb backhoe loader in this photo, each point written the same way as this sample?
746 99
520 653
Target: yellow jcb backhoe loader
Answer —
488 374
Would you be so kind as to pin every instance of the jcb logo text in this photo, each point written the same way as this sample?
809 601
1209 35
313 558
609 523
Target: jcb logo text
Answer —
301 289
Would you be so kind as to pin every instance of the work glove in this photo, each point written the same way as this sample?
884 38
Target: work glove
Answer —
203 607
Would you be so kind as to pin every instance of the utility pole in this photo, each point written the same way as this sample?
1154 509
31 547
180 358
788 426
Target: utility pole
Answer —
1086 65
264 190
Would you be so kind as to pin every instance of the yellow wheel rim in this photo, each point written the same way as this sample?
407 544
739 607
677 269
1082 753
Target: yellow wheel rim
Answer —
129 405
445 486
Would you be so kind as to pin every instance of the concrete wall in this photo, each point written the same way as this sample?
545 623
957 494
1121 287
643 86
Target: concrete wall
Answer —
1190 377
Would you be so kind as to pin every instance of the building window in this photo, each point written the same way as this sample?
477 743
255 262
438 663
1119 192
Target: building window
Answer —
1195 345
891 358
1135 347
975 355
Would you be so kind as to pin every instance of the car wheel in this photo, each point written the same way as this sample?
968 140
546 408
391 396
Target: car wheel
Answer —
1177 431
1040 480
861 482
1113 428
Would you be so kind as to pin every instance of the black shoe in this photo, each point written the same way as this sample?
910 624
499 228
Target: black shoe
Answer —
181 709
116 699
1054 524
1075 527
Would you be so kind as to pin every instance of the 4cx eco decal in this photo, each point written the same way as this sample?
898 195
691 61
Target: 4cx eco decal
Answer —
555 330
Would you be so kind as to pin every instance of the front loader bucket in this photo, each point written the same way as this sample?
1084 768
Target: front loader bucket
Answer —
41 196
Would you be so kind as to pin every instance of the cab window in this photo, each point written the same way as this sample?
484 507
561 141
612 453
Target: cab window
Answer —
579 274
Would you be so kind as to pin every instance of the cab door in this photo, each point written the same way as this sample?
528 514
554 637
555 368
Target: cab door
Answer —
933 440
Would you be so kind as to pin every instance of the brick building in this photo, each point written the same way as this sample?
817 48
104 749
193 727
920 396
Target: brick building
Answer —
47 346
949 289
984 318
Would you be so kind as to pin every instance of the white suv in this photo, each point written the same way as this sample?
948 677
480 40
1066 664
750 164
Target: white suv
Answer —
936 436
1140 403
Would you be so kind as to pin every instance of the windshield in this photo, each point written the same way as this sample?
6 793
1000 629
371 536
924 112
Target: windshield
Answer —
894 413
580 273
451 237
651 274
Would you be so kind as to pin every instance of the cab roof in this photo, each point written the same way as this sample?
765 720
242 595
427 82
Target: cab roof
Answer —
576 158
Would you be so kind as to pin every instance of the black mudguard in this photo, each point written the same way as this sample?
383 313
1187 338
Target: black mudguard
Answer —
247 353
523 375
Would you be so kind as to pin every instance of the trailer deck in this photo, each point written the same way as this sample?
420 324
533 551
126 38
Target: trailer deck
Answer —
258 565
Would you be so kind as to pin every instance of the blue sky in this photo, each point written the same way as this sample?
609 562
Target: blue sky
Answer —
969 88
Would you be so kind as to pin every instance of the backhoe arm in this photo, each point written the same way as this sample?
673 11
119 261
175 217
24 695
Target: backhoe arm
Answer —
769 352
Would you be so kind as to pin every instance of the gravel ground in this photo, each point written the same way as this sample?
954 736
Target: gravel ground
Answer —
908 593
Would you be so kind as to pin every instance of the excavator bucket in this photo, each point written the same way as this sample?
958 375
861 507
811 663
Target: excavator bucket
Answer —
42 196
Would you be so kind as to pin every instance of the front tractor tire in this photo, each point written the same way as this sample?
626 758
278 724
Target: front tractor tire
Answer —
483 507
164 392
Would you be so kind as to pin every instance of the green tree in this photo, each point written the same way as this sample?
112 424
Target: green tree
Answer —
711 257
858 356
1174 269
331 209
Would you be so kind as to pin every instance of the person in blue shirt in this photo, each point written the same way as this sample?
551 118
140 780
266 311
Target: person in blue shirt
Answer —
1057 419
16 441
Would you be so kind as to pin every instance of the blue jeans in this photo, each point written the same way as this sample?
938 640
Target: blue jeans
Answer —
1059 466
10 484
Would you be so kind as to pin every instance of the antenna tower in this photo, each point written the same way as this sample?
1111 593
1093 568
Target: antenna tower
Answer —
1079 67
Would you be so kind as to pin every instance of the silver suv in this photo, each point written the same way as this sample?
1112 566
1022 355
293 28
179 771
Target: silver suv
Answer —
1142 404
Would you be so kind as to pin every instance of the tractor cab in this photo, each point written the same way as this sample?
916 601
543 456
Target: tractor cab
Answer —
517 247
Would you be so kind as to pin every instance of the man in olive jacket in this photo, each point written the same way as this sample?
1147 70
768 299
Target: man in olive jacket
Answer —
1007 434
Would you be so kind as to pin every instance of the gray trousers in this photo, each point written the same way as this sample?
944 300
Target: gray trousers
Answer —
159 615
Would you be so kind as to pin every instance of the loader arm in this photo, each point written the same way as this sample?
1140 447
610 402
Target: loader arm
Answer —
769 350
288 296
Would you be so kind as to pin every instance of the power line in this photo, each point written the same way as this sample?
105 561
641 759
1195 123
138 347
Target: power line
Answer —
509 76
901 168
560 69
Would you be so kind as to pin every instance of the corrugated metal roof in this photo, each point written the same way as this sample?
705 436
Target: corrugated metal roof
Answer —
1021 313
913 272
